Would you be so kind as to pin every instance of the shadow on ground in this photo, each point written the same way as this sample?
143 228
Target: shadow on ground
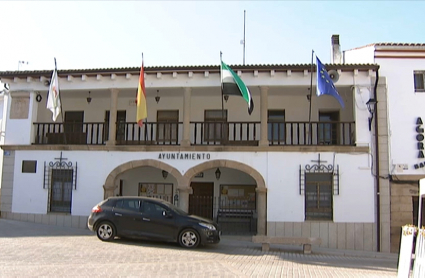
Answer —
231 245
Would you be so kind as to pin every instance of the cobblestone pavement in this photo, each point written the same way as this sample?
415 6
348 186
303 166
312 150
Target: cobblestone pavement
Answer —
29 250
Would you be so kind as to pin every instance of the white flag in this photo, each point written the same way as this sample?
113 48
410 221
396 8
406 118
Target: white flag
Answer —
53 100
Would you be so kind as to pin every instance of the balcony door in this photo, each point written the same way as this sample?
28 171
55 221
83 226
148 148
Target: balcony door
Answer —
216 127
73 127
276 126
328 128
121 119
168 126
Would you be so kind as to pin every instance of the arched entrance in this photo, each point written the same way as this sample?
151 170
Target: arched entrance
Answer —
259 180
111 181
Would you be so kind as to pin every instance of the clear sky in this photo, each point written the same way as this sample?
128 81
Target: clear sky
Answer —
99 34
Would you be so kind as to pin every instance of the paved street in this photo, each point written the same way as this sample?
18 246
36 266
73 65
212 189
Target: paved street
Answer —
29 250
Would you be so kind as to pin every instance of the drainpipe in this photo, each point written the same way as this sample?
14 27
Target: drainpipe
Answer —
378 203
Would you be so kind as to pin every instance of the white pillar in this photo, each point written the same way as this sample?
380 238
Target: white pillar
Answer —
21 115
186 117
264 115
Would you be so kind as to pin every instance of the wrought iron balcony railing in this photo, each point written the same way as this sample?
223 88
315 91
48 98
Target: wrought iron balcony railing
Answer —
201 133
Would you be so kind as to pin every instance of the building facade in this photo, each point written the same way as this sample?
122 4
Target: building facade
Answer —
401 136
299 165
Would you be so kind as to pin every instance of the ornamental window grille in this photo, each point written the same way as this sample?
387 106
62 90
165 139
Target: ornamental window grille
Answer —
319 168
60 179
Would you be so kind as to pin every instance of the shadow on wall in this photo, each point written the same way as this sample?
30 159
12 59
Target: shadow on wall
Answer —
31 225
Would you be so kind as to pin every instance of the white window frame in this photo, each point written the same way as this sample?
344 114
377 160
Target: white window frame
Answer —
418 72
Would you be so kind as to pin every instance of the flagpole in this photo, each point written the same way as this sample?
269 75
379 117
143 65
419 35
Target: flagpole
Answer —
143 66
145 120
222 102
244 12
310 98
60 101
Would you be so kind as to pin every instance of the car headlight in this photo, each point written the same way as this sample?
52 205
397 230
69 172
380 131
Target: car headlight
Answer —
208 226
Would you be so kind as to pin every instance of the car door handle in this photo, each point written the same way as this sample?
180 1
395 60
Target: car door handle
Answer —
146 219
118 214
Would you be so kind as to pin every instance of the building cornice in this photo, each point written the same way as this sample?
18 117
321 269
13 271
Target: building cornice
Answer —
179 70
336 149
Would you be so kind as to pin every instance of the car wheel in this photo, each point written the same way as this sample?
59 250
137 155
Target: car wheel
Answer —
105 231
189 238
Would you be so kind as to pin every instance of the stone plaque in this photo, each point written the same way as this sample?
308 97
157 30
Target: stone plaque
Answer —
19 108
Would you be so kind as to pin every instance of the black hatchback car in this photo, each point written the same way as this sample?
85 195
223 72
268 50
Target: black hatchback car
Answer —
150 218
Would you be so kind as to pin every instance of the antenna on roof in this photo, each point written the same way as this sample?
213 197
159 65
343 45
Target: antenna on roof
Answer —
22 63
243 41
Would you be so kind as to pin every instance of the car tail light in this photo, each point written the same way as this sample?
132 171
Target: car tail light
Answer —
96 209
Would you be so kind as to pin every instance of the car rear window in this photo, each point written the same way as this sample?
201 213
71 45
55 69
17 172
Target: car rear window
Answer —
128 204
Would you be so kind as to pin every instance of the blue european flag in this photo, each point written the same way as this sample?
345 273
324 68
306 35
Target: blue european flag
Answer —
325 86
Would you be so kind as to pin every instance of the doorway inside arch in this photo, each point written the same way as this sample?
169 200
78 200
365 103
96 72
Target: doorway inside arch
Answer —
201 200
227 196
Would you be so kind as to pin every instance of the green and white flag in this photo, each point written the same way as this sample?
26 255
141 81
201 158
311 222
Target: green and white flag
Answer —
233 85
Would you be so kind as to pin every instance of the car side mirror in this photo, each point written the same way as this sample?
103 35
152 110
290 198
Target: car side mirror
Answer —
167 214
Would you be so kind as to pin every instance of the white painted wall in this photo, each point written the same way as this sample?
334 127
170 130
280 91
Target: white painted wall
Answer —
355 202
280 171
20 131
360 55
405 106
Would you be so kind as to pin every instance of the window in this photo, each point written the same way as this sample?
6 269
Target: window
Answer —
216 128
129 204
328 128
418 77
276 126
152 209
168 126
61 190
29 166
318 196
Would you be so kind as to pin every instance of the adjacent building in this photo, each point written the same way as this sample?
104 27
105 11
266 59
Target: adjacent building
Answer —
400 128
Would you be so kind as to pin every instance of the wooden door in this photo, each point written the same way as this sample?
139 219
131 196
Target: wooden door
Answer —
168 126
201 201
73 127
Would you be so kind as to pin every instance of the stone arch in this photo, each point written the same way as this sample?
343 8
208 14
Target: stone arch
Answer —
261 185
110 184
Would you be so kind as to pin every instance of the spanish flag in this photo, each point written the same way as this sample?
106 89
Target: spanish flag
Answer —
141 98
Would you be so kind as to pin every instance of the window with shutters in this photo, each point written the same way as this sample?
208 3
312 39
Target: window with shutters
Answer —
418 77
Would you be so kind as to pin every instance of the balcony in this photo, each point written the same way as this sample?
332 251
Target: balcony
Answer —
201 133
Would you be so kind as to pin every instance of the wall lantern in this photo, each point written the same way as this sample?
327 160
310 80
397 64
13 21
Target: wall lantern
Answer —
217 174
157 98
371 106
164 174
226 97
89 98
6 86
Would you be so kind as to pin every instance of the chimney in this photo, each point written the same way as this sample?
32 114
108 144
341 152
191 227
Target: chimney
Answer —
336 50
